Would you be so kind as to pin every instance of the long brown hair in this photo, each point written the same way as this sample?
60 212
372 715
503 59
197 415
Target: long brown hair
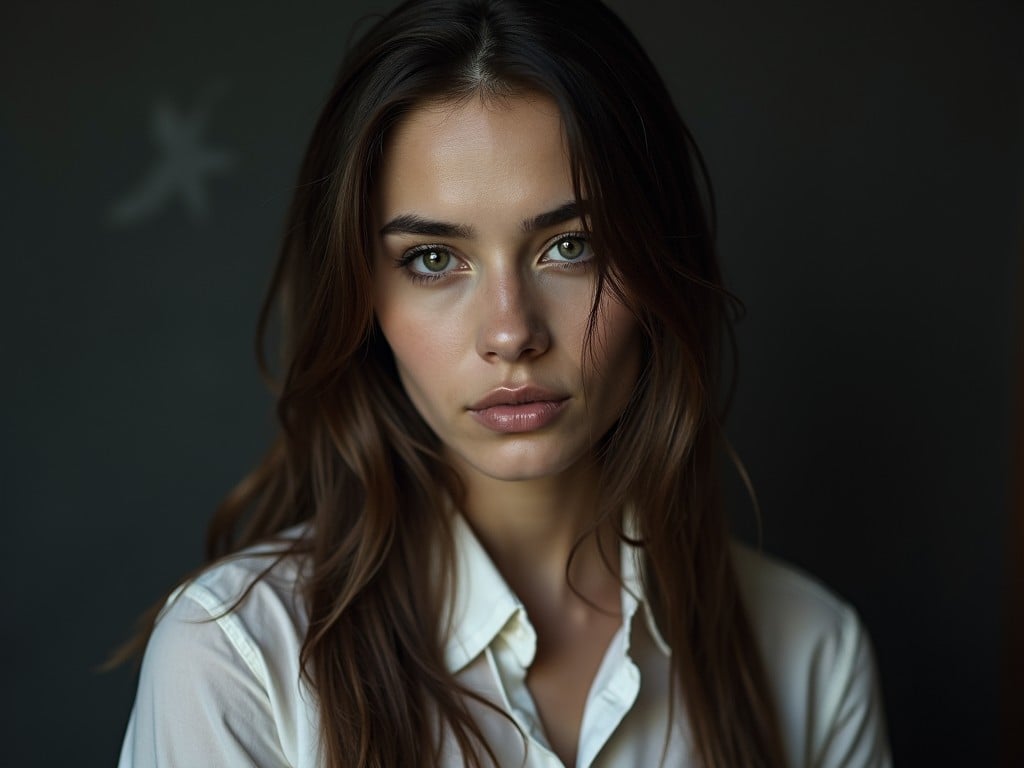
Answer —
356 461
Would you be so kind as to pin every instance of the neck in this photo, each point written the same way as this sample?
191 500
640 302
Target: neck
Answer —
532 528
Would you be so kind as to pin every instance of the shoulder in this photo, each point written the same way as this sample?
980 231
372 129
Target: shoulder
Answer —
786 604
251 600
819 663
248 584
221 674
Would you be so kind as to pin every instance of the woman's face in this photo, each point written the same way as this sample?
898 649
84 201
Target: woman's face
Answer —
484 285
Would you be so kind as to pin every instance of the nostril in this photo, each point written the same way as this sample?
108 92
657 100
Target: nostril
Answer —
513 340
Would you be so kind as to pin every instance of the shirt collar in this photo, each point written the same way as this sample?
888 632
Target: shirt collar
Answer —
633 589
483 605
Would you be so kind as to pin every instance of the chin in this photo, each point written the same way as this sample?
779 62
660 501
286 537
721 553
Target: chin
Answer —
524 463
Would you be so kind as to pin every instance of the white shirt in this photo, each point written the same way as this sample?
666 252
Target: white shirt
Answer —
229 692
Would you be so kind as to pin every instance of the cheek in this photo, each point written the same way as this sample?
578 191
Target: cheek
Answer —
410 346
415 363
412 315
424 347
400 321
616 346
420 344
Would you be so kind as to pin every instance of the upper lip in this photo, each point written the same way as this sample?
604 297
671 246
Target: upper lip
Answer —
516 396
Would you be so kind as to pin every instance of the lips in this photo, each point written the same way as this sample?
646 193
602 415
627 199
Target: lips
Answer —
517 396
518 409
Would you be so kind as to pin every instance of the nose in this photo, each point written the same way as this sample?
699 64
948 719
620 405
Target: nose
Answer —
512 325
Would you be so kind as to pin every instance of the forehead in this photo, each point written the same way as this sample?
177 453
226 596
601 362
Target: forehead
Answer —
497 152
472 120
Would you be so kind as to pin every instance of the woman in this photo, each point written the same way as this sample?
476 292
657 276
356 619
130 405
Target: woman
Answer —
490 532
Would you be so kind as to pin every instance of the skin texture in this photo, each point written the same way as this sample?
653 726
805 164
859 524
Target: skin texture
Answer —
509 308
501 315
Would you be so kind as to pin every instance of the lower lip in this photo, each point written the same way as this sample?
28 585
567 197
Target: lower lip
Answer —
524 417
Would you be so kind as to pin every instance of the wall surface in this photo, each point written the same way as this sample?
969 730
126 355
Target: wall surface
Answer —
867 159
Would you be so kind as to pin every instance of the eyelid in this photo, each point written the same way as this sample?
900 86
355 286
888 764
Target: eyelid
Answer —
405 260
581 236
411 254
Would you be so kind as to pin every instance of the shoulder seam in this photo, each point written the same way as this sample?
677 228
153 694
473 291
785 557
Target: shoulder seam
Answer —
796 579
232 628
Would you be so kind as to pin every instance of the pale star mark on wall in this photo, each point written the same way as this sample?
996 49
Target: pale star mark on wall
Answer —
183 164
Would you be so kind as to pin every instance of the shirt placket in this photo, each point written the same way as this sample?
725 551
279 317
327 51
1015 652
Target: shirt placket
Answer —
613 693
513 651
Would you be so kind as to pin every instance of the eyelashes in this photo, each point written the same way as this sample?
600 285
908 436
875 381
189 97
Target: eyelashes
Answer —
429 263
571 248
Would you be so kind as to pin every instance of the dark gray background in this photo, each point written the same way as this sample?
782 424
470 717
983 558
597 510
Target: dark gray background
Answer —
868 162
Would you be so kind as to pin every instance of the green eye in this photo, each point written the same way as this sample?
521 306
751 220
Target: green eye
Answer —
427 263
571 248
436 260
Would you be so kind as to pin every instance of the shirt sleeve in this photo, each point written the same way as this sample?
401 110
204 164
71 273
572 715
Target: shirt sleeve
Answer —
201 700
850 731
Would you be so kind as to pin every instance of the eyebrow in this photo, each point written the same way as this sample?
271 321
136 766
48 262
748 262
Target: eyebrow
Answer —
411 224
